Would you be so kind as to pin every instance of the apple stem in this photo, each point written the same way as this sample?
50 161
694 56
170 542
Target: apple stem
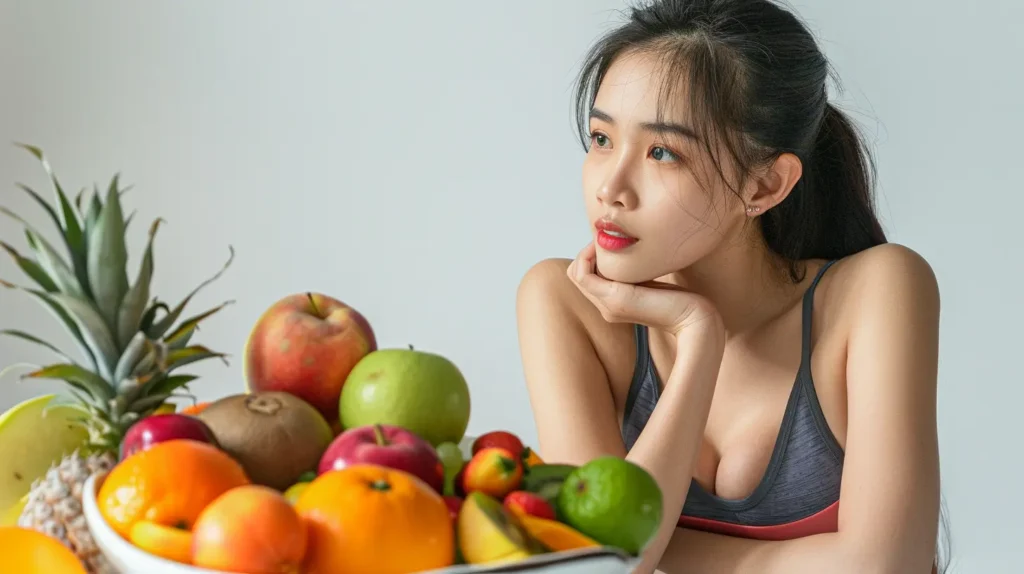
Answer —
410 347
378 432
312 304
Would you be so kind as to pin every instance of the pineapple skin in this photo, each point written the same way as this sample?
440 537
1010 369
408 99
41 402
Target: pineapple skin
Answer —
55 506
129 346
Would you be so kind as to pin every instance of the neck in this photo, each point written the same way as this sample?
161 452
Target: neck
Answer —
745 282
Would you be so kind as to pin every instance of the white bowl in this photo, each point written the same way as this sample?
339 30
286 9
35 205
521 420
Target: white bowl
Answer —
129 559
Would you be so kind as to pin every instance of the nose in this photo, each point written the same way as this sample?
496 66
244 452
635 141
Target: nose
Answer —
617 191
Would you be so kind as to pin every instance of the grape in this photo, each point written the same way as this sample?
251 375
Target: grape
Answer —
451 458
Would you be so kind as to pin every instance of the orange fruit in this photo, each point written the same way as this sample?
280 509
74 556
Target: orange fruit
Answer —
30 552
250 529
369 518
168 484
194 409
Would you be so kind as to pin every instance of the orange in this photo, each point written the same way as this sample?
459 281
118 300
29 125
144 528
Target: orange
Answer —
30 552
194 409
369 518
168 484
250 529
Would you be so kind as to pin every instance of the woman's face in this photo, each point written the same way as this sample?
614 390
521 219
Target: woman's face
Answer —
648 212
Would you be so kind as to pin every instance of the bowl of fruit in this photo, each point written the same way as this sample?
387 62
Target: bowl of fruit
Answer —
381 499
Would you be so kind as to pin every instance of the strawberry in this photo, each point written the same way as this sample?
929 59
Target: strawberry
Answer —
522 502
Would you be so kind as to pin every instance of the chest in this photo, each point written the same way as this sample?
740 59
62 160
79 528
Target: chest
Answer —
755 386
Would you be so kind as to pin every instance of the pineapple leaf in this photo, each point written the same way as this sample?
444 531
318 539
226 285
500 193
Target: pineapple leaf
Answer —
55 266
70 324
76 401
161 327
95 332
31 268
188 326
180 341
70 230
128 220
148 403
195 353
149 317
131 356
73 231
92 215
78 378
166 385
107 258
129 317
33 339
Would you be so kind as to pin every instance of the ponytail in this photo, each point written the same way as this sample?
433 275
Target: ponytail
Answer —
830 212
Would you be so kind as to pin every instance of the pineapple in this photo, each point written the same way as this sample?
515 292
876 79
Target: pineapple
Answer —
130 346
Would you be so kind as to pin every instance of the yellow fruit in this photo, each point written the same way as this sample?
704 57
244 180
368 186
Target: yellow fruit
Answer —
31 441
10 517
489 534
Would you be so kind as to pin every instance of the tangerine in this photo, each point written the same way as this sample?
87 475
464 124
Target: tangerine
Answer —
370 518
31 552
250 529
168 484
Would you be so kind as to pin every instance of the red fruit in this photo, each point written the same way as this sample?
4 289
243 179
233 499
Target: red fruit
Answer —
499 439
493 471
522 502
454 504
154 429
385 445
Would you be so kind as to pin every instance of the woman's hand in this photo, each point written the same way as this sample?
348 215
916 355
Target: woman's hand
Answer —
657 305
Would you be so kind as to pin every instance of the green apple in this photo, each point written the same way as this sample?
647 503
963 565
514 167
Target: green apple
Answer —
420 391
32 439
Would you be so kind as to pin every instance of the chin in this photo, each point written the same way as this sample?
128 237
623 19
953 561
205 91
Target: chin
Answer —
624 268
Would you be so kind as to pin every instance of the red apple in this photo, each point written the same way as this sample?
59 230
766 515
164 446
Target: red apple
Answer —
154 429
500 439
454 504
306 344
386 445
522 502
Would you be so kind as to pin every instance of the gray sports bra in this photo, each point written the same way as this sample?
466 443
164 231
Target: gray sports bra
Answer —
799 492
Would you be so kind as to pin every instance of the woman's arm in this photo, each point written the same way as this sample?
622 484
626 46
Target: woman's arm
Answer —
889 503
572 400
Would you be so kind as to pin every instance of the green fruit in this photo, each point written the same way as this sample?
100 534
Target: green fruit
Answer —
451 459
419 391
614 501
32 438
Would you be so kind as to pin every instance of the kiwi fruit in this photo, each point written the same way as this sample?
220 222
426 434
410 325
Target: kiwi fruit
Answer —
276 436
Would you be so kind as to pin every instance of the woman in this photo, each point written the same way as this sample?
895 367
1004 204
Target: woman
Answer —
739 325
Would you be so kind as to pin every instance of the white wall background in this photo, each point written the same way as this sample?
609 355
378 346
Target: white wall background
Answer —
414 158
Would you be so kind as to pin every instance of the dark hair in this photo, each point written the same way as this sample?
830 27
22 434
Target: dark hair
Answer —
756 82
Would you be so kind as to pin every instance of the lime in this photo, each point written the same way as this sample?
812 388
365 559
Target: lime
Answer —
451 459
614 501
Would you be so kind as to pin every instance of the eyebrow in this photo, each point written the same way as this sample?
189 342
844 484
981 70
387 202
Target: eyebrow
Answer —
657 127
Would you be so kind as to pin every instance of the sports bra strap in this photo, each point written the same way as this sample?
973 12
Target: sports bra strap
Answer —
808 312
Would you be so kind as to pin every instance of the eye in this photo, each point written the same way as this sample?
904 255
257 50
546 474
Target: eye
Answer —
662 154
599 139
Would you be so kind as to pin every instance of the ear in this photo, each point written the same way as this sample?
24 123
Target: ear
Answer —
774 183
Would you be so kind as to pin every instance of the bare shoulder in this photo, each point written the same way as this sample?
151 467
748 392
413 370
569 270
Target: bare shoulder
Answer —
885 275
548 302
546 287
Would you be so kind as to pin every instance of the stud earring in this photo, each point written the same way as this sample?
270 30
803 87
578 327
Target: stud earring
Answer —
753 209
